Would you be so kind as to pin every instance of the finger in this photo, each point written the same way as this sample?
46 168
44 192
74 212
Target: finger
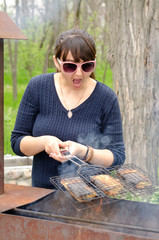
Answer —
58 157
56 149
64 145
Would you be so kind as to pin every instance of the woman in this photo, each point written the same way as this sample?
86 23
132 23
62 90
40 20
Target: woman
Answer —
68 109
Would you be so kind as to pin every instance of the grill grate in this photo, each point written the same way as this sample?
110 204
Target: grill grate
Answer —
88 189
98 199
135 179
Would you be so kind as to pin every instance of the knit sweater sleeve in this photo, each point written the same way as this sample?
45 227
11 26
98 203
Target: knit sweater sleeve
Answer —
26 115
113 133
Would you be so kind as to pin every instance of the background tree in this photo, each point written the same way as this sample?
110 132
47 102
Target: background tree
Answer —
13 51
134 58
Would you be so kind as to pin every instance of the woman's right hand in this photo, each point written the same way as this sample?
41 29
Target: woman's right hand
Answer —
52 147
31 146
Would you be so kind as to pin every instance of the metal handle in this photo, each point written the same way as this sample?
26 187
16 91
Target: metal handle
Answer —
70 157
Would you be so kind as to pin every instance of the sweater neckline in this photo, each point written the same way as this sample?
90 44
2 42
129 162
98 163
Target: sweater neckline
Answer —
83 103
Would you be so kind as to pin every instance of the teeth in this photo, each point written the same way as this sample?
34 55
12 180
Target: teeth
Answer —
77 80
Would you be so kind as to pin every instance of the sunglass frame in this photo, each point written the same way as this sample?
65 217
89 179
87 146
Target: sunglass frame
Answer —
77 65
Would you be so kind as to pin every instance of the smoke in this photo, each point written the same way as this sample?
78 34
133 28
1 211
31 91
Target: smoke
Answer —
68 168
95 140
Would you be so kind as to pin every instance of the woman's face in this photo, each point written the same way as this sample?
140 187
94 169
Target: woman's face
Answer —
76 79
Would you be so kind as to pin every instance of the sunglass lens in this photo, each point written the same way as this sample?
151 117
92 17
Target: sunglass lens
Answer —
88 67
69 67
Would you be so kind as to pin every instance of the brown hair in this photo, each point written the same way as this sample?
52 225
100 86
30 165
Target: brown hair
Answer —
79 42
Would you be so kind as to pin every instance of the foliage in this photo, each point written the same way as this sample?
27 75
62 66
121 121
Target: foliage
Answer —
30 59
10 111
153 198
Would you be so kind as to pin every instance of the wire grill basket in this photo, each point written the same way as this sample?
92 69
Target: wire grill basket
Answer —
92 185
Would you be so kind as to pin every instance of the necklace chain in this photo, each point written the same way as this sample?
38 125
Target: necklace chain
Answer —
69 113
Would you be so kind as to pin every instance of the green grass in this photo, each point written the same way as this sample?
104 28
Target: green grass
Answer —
11 106
10 111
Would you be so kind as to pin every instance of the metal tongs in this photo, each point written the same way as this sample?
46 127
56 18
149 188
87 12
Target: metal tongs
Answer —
85 169
70 157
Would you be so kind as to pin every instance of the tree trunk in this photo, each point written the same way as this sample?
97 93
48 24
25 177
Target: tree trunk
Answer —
134 56
13 54
48 52
54 32
25 13
5 5
77 5
13 63
84 18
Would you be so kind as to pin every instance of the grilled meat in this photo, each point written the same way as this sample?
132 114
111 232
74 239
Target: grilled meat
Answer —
134 178
109 185
79 189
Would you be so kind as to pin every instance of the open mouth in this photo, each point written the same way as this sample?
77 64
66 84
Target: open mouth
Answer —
77 82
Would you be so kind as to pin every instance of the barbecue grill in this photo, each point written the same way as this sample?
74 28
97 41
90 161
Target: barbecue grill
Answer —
102 218
117 220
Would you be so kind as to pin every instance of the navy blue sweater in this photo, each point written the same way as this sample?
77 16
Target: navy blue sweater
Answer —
96 122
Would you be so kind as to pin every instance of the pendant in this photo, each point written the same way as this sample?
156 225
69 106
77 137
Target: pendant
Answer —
69 114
